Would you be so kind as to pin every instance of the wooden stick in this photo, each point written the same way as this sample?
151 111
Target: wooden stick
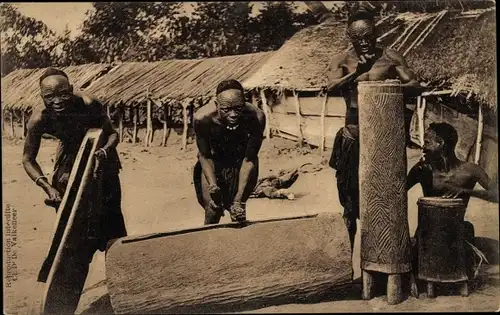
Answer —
148 122
434 24
323 112
421 102
416 25
23 123
479 136
265 108
12 123
394 289
393 45
165 118
136 114
120 128
427 30
299 118
108 111
185 122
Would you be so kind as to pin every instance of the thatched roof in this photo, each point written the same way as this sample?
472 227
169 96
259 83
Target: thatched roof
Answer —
127 83
452 49
20 89
173 79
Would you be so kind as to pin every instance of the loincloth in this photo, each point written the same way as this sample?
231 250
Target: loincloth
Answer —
345 160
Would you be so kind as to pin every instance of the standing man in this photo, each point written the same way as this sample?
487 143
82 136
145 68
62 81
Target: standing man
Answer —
229 134
68 117
365 62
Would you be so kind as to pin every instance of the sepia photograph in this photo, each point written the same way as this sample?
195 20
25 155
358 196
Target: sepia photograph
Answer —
249 157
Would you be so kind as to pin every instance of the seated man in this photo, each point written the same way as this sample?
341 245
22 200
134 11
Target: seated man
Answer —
442 174
229 134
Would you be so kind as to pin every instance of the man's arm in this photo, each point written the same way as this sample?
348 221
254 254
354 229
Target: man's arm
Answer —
249 164
490 192
336 77
405 74
104 122
414 175
35 130
202 131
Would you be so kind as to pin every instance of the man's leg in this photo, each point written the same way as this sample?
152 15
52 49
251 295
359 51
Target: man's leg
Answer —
112 221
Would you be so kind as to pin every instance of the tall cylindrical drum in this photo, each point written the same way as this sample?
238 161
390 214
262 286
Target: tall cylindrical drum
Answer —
440 240
385 239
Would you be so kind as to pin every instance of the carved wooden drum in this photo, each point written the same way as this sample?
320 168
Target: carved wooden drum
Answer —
385 242
440 240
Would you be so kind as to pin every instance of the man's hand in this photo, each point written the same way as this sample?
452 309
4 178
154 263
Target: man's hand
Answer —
54 197
365 63
453 192
215 197
101 154
238 211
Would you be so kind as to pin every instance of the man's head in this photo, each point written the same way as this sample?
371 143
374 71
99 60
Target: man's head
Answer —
55 90
362 32
440 138
230 101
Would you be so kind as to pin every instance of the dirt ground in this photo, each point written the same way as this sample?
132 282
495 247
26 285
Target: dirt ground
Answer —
158 195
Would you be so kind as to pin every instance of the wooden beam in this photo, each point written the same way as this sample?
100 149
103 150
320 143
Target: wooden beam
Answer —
148 122
479 136
13 134
23 123
165 126
299 118
136 117
323 111
185 104
120 126
421 103
265 108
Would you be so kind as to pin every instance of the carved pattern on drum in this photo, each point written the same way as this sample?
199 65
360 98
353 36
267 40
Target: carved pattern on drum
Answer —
382 179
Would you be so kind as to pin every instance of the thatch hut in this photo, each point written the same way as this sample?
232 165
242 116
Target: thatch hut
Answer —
161 94
453 53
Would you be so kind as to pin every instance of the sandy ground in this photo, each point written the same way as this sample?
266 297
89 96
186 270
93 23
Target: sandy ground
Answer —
158 195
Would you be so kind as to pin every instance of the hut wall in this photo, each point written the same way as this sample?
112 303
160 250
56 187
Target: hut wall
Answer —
284 119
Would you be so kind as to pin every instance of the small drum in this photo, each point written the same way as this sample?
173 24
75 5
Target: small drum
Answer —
440 240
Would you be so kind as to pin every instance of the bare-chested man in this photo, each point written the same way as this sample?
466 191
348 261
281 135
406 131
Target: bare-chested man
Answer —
365 62
442 174
229 134
68 117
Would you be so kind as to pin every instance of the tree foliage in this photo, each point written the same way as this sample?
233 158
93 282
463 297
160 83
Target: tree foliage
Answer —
25 41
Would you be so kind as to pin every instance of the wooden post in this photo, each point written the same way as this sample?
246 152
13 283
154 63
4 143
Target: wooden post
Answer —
12 123
148 122
136 118
421 102
23 123
165 119
120 127
265 108
323 112
108 111
185 104
299 118
479 136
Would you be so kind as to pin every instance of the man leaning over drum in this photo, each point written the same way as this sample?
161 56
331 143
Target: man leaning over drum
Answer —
442 174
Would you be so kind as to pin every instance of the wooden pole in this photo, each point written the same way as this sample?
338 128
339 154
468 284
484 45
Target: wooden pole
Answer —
121 123
479 136
23 123
299 118
12 123
148 122
185 121
421 103
265 108
165 119
136 114
108 111
323 112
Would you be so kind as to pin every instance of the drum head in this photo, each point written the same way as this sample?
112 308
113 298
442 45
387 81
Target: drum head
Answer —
441 202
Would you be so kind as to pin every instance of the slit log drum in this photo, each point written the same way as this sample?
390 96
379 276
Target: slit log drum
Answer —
441 242
385 239
230 267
